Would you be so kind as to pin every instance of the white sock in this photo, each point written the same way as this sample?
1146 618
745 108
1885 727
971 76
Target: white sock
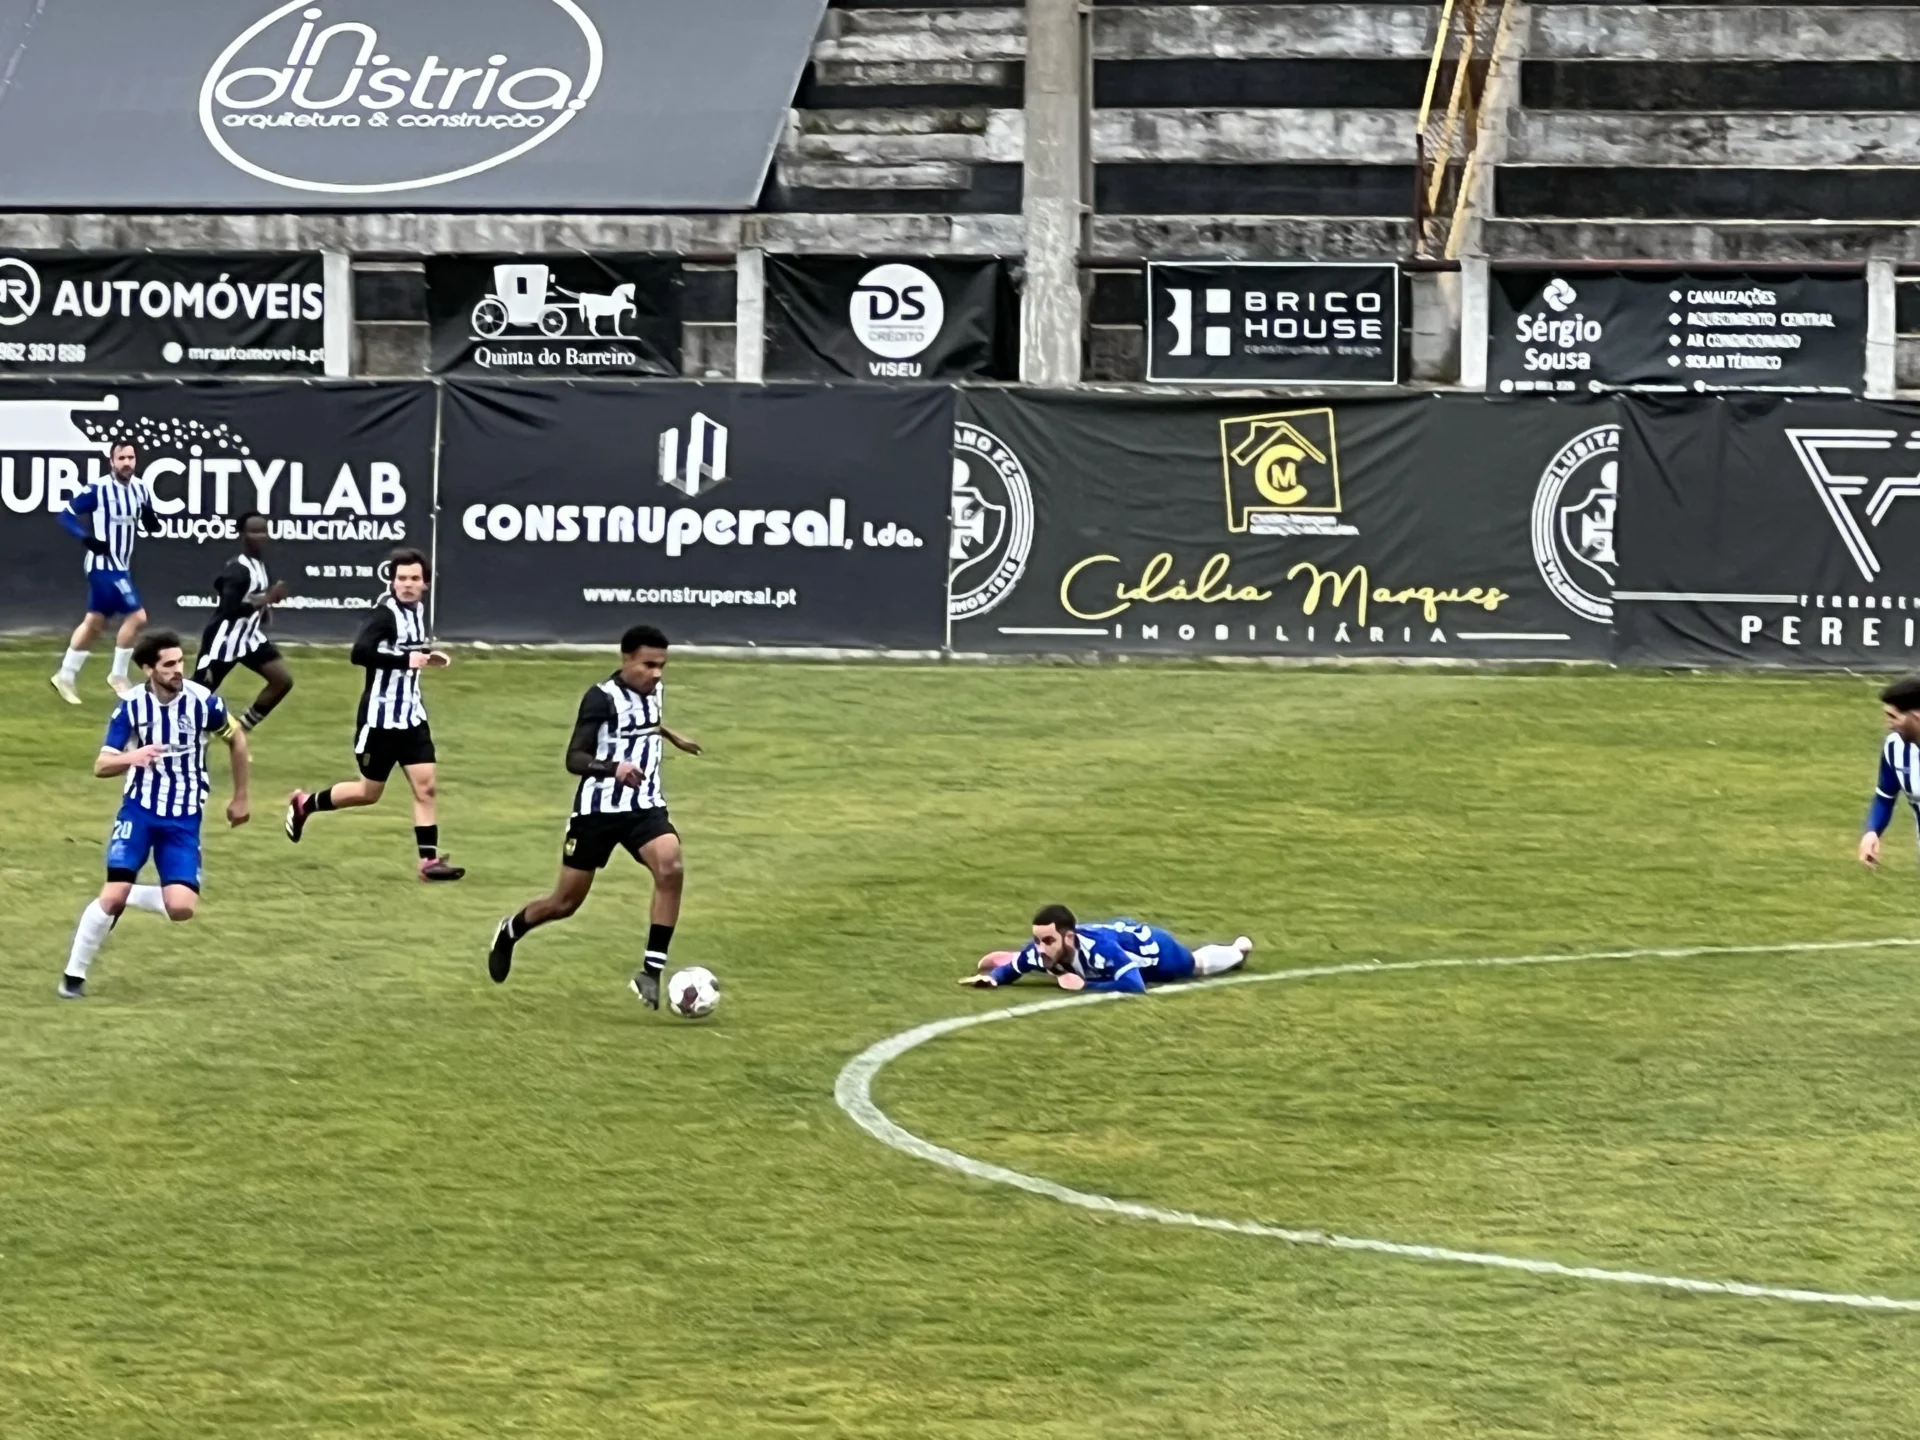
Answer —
147 897
121 659
1217 959
70 664
95 924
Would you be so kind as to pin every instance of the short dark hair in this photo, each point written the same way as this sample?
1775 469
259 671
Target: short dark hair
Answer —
409 557
1058 916
643 637
246 515
122 444
151 644
1903 694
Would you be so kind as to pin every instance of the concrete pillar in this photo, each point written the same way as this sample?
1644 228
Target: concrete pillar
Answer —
1881 340
1476 283
1052 312
750 316
1435 329
336 330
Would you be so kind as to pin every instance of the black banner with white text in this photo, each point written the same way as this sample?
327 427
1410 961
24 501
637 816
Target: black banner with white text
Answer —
556 316
343 473
1578 332
891 320
1425 527
1761 531
726 514
1224 321
161 314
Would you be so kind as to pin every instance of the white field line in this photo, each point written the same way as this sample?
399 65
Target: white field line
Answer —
853 1091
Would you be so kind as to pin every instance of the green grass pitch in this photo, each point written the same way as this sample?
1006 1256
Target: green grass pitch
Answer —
298 1170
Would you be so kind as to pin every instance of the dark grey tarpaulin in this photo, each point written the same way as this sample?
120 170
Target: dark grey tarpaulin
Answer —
726 514
395 104
1756 530
343 473
1281 527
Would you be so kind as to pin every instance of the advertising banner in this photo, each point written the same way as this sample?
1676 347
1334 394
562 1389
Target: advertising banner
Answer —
891 319
1761 531
557 316
427 105
174 315
1211 322
1582 331
343 473
1432 527
726 514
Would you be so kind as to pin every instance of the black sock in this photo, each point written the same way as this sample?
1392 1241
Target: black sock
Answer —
517 927
253 716
427 837
321 799
659 937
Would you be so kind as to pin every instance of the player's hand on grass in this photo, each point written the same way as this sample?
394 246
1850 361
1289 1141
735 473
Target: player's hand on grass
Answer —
145 756
980 982
1870 850
1068 980
237 811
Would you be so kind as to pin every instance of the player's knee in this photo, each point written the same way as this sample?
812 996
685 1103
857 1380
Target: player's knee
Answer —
181 909
670 872
425 790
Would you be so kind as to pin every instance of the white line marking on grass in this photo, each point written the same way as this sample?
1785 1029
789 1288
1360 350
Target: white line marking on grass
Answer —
853 1092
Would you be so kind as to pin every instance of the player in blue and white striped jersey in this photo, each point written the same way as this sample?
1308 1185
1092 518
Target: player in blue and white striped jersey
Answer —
1899 764
618 804
106 515
1122 955
157 739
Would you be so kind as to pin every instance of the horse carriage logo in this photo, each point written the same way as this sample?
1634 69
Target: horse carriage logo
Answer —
525 297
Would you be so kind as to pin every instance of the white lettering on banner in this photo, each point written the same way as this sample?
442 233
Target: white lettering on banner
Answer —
679 529
297 67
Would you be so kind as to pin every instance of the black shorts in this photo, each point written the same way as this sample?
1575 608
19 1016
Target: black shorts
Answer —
381 750
210 672
591 838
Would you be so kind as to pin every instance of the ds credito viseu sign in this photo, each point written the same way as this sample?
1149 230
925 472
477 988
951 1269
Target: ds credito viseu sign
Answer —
313 96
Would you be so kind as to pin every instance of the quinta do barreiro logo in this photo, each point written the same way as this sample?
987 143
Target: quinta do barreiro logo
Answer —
361 97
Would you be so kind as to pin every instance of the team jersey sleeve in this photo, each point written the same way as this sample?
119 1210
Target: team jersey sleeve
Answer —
149 517
378 645
119 729
1025 963
1120 971
595 710
230 591
1885 792
72 521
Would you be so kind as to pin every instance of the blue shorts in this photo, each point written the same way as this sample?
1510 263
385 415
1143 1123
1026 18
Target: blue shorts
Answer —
172 841
111 592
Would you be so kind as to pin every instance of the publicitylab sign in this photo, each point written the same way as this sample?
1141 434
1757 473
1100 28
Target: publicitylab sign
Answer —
174 315
1270 322
1579 332
383 104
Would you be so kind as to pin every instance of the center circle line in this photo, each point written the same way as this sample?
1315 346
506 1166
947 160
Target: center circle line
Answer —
853 1093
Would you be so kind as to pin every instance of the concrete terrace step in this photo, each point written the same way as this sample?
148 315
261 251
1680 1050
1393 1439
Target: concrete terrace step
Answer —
1723 32
1228 137
1738 139
1744 241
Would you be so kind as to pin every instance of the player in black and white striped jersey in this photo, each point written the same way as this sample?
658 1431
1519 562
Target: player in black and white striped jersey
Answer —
244 597
391 727
615 750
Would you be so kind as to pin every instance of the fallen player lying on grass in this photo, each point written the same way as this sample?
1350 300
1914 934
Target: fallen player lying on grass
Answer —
1119 955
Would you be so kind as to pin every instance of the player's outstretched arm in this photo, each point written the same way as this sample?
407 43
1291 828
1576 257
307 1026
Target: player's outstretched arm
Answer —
1879 812
680 742
1127 980
242 759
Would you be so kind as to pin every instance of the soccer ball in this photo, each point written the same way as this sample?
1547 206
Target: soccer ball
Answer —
692 992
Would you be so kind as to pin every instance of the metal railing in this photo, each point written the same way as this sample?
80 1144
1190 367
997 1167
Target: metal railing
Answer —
1467 42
